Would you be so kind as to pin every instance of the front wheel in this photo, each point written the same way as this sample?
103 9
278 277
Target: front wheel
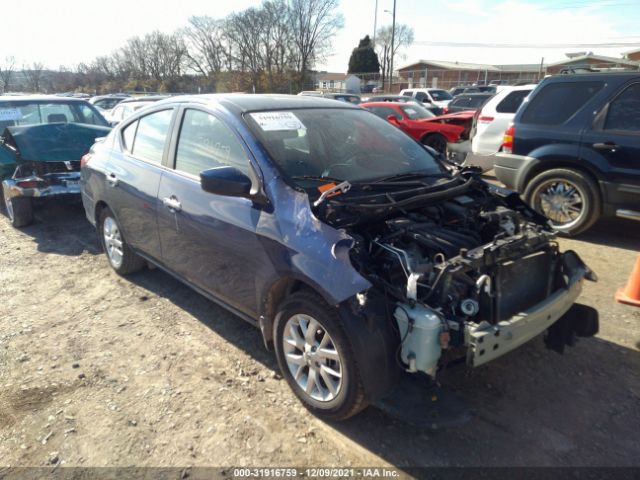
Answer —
316 358
437 142
569 198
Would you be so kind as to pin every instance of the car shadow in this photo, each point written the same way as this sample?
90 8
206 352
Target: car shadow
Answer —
60 227
531 407
614 232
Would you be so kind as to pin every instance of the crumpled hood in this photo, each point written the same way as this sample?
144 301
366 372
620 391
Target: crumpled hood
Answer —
53 142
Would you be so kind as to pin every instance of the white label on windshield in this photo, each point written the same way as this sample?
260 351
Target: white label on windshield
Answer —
410 111
271 121
10 114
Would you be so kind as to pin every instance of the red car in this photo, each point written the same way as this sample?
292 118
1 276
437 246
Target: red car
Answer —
424 126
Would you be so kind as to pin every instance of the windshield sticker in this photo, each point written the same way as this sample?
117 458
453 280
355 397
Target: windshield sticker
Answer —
410 111
10 114
273 121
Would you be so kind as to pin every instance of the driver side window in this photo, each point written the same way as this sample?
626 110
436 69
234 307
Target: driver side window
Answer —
206 142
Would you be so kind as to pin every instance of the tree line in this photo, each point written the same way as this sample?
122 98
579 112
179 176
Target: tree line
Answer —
269 48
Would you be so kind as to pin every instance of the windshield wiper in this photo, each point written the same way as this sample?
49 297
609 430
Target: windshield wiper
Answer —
410 176
317 178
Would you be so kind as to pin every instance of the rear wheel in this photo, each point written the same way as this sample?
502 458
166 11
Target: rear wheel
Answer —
316 358
19 209
121 258
437 142
569 198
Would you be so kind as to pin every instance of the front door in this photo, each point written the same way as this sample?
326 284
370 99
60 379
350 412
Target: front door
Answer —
615 137
209 239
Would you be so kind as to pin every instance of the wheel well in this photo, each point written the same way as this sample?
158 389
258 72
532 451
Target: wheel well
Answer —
278 292
553 164
99 207
432 134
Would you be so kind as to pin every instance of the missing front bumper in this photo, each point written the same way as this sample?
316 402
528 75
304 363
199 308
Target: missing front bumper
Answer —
486 342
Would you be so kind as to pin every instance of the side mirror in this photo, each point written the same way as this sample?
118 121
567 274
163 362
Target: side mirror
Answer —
227 181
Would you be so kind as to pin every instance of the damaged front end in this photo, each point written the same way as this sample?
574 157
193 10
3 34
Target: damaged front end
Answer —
466 270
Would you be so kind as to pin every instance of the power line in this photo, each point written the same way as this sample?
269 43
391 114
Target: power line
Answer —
527 45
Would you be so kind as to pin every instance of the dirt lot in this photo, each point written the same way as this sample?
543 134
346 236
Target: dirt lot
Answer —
98 370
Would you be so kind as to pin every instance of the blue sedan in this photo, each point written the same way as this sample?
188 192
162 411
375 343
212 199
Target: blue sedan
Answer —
355 249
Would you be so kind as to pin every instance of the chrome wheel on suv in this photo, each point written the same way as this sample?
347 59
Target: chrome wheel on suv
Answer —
561 201
569 198
312 358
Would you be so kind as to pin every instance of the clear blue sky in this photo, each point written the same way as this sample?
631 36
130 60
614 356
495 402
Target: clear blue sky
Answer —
72 31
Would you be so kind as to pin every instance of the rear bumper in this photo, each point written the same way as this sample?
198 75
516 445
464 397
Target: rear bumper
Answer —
509 168
48 186
487 342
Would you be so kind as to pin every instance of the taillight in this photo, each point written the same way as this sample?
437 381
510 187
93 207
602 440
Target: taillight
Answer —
507 140
27 183
85 159
485 119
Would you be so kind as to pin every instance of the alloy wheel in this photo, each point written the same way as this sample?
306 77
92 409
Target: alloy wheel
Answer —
112 241
561 201
312 358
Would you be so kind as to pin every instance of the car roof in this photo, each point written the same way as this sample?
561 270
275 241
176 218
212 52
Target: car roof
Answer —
241 103
383 104
147 98
40 98
590 77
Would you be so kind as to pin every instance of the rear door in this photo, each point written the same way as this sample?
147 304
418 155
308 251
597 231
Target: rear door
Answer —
133 178
494 119
613 140
208 239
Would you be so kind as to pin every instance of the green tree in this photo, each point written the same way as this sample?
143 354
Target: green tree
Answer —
363 58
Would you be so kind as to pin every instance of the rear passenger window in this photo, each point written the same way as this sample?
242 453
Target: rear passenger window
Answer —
205 142
512 102
128 134
152 135
624 111
558 102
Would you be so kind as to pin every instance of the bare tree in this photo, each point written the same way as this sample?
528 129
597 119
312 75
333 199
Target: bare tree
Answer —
313 24
208 49
33 74
403 38
6 72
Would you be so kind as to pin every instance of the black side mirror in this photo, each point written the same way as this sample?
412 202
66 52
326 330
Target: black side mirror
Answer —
228 181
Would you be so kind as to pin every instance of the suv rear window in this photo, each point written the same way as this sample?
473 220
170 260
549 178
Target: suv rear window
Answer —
558 102
512 102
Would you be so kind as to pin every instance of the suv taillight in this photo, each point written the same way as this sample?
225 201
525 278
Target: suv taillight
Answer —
507 140
85 159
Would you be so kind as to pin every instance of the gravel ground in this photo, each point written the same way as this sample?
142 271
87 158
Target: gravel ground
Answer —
98 370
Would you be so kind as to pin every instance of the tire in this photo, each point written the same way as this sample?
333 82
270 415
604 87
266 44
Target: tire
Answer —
120 256
437 142
570 213
19 209
347 397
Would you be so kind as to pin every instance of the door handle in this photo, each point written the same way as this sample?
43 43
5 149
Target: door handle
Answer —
172 203
112 179
612 147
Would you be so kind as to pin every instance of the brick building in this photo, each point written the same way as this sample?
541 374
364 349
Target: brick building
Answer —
588 59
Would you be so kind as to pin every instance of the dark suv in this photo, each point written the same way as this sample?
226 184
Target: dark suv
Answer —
574 149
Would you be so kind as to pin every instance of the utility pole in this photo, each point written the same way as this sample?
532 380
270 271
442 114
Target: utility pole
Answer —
375 24
393 38
540 71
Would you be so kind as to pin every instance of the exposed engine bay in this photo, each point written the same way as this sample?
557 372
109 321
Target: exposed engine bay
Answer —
453 265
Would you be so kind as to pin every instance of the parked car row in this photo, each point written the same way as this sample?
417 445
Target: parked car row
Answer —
341 233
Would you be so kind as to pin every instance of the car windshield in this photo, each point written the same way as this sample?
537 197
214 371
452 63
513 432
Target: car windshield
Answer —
439 95
352 145
16 113
416 112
